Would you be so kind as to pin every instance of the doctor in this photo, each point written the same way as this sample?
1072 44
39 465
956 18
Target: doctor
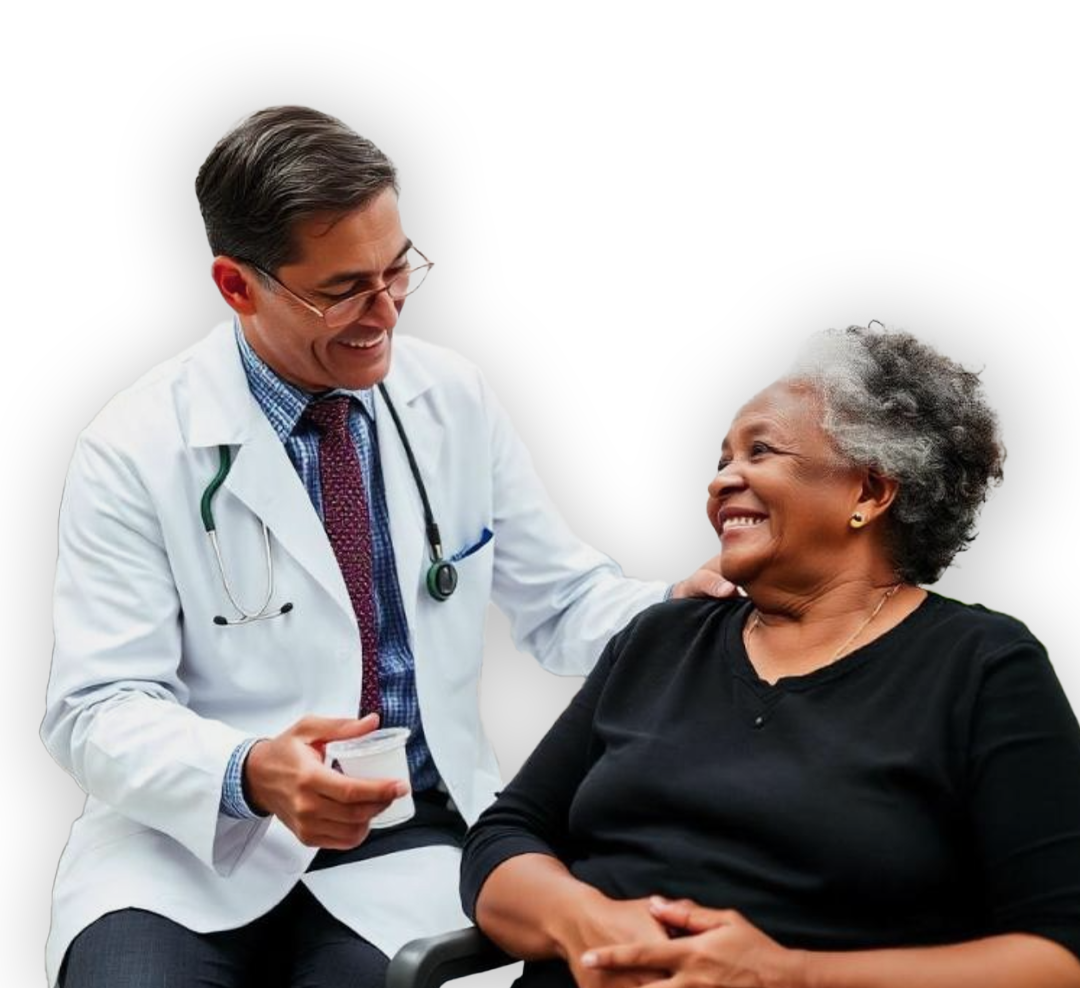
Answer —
299 520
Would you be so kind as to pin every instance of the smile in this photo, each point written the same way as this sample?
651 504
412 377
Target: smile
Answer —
739 521
364 344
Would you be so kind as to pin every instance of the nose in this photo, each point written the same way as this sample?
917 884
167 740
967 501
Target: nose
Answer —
727 479
382 310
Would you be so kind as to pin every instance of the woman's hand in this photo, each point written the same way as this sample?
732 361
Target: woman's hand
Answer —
718 949
601 922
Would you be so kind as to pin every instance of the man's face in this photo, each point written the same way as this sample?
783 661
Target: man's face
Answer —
338 256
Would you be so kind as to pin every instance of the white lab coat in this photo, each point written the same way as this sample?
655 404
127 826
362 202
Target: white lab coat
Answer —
148 697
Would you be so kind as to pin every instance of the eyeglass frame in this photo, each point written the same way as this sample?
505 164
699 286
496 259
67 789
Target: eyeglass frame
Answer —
370 293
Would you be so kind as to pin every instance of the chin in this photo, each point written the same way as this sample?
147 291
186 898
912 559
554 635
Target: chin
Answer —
360 384
367 378
741 572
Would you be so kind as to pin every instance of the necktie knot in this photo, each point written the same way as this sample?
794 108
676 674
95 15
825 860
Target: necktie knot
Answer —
330 416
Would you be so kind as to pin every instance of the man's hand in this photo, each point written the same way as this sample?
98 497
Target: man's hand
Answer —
285 776
705 582
719 949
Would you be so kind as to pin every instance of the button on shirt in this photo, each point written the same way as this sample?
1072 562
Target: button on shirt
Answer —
284 404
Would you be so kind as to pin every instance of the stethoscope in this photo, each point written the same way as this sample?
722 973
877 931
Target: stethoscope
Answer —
441 578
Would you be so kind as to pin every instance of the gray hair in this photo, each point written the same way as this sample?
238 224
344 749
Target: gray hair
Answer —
279 166
897 406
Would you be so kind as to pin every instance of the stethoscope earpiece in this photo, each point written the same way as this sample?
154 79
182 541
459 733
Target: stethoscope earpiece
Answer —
221 621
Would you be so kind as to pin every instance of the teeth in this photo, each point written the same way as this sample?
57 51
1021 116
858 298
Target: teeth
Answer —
741 521
365 344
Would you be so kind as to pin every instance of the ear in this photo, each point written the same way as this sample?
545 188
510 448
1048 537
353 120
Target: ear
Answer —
234 283
876 495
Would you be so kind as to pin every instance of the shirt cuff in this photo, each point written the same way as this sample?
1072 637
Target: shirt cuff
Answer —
670 590
233 803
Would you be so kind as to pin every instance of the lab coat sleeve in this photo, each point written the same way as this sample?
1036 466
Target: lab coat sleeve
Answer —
117 717
564 599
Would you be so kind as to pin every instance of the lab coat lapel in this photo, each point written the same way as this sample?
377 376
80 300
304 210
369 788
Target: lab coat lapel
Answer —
264 479
222 411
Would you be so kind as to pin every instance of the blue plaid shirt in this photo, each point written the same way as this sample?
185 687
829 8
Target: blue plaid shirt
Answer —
284 405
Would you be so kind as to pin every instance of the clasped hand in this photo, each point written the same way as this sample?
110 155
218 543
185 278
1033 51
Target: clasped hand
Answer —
701 948
285 776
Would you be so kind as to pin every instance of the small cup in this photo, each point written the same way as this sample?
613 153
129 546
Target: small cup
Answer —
378 755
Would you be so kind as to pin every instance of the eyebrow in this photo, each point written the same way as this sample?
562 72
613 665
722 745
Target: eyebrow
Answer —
351 277
754 429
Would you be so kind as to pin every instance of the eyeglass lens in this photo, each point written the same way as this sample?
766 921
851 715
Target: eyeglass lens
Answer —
350 309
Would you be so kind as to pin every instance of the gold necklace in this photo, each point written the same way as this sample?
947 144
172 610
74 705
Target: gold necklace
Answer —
755 620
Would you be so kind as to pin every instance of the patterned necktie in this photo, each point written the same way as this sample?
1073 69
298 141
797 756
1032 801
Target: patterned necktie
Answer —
348 526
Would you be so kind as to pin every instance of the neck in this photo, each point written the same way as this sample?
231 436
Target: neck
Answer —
808 601
793 633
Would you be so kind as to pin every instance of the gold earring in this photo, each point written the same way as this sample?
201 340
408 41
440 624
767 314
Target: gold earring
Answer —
857 520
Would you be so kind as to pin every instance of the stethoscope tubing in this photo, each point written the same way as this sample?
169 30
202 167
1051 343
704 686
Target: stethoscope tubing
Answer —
246 617
441 577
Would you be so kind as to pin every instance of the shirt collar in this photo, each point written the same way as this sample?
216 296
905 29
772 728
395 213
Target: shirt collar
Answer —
283 403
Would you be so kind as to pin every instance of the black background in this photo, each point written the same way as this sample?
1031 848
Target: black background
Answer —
625 260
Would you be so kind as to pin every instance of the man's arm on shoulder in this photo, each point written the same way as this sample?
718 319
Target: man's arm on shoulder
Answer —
564 598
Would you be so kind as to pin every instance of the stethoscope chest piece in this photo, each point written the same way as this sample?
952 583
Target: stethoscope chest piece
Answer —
441 579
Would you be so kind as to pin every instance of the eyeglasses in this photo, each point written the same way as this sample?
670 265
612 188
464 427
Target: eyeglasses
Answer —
347 310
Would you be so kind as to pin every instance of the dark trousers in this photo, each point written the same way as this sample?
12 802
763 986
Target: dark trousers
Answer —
298 944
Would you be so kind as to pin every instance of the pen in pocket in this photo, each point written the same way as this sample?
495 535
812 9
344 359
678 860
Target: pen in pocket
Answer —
485 537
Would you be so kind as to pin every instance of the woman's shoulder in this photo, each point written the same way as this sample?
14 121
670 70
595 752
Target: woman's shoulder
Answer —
677 623
669 640
971 642
975 623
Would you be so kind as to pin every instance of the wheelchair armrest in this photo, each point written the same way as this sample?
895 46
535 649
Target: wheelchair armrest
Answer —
430 961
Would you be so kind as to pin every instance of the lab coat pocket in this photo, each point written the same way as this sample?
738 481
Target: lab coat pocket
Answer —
450 631
473 563
485 537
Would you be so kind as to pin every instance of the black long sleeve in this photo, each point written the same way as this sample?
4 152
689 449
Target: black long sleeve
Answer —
531 814
924 789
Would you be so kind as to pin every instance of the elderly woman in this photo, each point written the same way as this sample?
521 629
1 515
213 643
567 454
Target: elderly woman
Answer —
843 780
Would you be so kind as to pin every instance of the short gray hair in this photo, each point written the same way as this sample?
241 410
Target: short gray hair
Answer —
279 166
895 405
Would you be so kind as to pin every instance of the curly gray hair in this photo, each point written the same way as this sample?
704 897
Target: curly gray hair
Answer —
895 405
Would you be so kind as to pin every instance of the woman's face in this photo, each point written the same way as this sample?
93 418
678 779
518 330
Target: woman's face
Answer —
782 498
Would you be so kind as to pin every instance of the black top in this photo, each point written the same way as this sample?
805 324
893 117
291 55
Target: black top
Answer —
923 789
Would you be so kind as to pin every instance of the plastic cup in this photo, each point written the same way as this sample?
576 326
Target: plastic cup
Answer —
378 755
